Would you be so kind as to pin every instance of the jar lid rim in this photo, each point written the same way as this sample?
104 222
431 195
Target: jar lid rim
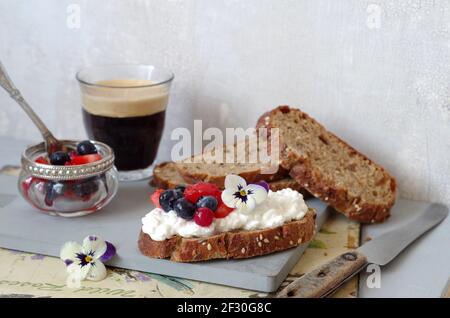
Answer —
52 172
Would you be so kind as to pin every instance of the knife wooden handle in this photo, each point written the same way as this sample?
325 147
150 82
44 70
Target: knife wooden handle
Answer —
326 278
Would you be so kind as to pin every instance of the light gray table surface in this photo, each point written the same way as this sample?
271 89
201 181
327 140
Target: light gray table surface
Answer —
420 271
23 229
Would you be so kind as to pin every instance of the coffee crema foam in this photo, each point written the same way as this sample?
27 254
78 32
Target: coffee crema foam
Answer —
121 98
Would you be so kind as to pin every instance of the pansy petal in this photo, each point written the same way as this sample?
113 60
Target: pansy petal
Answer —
94 244
68 262
228 198
77 271
246 206
258 193
97 271
240 206
69 251
109 253
233 182
263 184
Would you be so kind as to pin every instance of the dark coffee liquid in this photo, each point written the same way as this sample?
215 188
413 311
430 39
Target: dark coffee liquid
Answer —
135 140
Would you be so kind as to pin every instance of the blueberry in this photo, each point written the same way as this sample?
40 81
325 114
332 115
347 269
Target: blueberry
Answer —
86 147
167 199
209 202
179 192
180 188
59 158
184 209
50 193
86 188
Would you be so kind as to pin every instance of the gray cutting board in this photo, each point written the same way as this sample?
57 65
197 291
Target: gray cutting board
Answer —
24 228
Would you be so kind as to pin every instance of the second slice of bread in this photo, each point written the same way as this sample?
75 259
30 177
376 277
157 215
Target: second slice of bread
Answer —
329 168
166 176
203 167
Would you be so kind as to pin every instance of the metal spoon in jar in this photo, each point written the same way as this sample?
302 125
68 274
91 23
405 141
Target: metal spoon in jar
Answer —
51 143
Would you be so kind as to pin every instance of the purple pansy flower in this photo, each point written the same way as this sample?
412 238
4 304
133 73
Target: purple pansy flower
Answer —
86 261
239 195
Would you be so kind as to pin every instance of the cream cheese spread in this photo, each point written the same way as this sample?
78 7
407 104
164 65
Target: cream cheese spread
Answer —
280 207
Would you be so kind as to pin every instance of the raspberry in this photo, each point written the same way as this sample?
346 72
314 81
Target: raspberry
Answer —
155 197
203 216
222 211
81 160
26 184
42 160
194 192
73 154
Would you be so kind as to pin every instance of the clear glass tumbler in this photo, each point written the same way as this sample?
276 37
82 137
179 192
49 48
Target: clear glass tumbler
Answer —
124 106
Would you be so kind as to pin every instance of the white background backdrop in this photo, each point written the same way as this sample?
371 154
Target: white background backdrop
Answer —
377 73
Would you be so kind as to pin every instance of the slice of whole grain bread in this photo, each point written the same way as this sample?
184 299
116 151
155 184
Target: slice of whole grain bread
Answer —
236 244
166 176
285 183
329 168
205 168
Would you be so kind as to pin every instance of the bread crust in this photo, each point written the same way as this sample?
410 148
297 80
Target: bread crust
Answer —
310 177
250 176
339 198
231 245
166 176
203 167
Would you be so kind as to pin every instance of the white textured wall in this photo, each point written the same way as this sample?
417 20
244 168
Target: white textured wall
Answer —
382 84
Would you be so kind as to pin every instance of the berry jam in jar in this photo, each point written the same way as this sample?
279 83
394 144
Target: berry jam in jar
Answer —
82 185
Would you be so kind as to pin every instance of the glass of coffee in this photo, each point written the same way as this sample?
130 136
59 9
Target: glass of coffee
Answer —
124 106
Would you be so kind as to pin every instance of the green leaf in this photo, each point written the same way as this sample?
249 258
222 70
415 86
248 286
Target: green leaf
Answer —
317 244
325 231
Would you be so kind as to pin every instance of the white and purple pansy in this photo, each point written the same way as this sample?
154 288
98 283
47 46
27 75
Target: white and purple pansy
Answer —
242 196
86 261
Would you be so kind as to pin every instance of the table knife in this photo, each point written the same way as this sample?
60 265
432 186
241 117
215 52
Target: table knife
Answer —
327 278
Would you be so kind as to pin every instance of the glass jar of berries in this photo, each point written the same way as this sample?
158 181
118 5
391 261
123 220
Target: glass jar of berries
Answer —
75 182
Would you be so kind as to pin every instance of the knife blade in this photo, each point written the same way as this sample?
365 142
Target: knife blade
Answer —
327 278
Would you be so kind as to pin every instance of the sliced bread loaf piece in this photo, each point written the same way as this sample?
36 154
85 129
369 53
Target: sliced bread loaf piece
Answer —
329 168
285 183
204 168
166 176
236 244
